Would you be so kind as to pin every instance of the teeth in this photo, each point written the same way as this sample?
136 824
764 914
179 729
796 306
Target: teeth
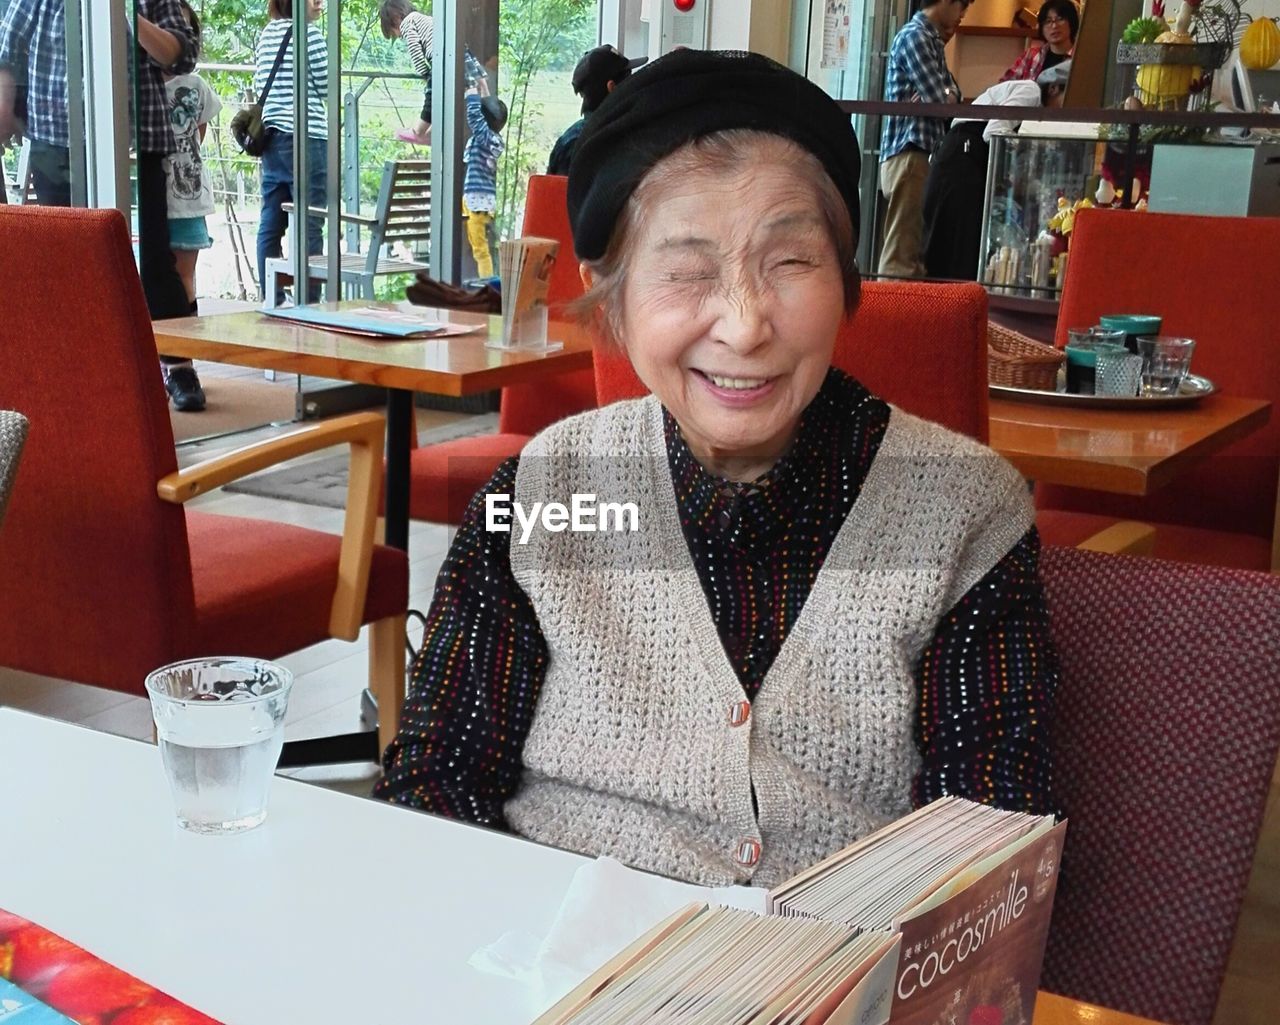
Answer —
738 383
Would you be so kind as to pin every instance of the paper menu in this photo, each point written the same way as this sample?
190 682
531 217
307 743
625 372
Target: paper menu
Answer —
524 267
714 965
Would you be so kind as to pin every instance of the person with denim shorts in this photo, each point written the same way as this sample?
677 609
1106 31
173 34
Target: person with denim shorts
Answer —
278 186
192 106
189 198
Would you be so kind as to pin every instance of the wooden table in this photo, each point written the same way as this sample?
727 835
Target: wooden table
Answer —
337 909
1052 1009
456 366
1129 453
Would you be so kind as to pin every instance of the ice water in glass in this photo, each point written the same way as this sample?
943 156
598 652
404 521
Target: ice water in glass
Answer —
1165 362
220 724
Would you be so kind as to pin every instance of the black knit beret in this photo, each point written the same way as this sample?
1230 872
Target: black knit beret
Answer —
681 97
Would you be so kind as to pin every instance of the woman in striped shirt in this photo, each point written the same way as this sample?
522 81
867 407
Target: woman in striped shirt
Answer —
401 20
277 116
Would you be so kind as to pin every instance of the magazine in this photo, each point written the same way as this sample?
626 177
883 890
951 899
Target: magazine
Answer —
48 980
939 918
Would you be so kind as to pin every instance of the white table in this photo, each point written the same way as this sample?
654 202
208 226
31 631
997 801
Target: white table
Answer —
336 909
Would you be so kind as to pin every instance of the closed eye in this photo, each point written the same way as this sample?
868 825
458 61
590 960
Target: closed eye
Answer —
677 277
793 263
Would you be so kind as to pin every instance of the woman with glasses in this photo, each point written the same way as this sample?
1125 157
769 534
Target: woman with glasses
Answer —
1059 23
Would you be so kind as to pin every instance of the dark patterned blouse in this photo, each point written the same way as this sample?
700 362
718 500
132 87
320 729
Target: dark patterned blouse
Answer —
986 681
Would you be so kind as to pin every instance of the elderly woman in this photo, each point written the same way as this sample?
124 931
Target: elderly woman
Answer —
1059 21
830 609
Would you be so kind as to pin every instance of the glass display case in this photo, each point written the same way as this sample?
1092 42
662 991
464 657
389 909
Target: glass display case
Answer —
1034 181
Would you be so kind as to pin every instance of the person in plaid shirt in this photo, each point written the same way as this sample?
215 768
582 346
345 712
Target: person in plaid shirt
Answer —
33 51
917 72
33 48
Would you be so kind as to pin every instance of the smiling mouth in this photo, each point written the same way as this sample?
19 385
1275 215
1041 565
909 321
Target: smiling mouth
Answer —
735 383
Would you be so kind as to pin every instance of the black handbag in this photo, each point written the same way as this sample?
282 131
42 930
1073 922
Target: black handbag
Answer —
247 127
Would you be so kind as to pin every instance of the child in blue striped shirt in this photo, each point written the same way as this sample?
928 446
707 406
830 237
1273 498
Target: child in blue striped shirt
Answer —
486 117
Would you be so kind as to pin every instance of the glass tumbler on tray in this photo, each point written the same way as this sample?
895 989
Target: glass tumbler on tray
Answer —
1118 374
1083 346
1165 362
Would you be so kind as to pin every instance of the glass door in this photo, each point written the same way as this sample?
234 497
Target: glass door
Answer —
539 42
843 46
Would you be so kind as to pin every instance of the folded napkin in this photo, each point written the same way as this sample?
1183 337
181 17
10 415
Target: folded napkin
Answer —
426 291
606 907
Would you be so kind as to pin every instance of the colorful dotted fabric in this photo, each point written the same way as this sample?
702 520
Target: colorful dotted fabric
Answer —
986 681
758 547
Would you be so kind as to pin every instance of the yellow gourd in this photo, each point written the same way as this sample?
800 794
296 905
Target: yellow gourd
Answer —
1260 45
1165 84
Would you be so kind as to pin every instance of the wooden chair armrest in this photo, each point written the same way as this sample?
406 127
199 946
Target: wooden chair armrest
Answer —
364 433
319 211
1124 538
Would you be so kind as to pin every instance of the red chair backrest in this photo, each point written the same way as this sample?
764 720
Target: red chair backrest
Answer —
95 569
526 409
1213 279
921 346
546 214
1165 729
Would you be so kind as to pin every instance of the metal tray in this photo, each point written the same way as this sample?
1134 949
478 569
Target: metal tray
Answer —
1193 390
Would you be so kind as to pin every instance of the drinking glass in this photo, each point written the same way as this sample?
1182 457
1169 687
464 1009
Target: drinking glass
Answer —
1083 346
1134 326
1118 373
220 723
1165 362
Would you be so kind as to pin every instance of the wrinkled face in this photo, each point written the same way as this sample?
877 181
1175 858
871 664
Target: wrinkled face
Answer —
1056 32
730 307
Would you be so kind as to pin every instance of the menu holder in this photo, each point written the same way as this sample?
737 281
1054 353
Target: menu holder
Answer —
524 267
939 916
708 965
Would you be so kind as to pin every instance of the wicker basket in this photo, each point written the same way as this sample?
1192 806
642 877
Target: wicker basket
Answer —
1016 361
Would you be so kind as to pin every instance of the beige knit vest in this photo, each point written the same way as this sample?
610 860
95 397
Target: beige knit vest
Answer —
639 749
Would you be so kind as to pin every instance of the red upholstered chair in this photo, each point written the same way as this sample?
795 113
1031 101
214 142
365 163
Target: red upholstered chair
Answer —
445 476
106 574
1212 279
920 346
1165 733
